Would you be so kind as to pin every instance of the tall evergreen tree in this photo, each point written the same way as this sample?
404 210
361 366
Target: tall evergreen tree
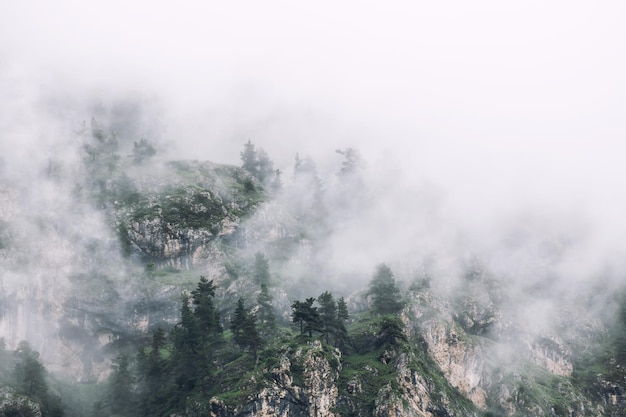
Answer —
249 159
386 297
195 339
342 310
205 312
306 316
238 320
122 395
30 374
265 166
261 273
341 336
390 331
328 315
155 372
244 328
265 315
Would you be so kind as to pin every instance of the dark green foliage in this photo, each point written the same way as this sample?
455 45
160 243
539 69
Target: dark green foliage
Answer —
265 314
386 298
154 386
195 339
29 372
390 331
341 333
328 315
371 375
191 208
122 396
342 310
244 328
30 378
306 316
207 316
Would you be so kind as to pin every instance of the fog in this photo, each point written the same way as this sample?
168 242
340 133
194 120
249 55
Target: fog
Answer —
490 129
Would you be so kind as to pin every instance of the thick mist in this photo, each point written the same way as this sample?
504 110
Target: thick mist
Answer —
488 131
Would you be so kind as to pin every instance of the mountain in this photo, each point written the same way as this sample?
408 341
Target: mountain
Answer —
111 261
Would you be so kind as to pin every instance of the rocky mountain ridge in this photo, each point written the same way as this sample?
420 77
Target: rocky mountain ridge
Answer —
107 271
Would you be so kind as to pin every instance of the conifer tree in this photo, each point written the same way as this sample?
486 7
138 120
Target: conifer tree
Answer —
265 315
386 298
195 338
342 310
244 328
205 312
155 362
121 383
265 166
328 315
29 372
390 331
249 159
238 320
341 335
307 316
261 274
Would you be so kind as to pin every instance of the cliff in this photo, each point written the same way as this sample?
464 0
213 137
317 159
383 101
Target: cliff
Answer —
91 276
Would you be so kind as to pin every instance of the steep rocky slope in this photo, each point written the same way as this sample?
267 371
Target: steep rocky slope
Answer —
89 271
76 279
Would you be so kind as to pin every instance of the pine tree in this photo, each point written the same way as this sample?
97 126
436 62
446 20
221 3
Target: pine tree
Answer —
342 310
205 312
121 382
384 291
244 328
238 320
261 274
195 339
30 377
328 315
265 315
390 331
29 372
265 166
249 159
154 387
307 316
341 336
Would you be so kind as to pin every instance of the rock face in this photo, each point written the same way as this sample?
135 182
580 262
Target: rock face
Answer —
12 404
68 289
303 384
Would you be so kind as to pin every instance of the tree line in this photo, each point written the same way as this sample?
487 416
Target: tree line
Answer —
187 362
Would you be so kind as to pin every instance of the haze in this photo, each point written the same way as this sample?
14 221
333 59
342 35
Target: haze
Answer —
490 117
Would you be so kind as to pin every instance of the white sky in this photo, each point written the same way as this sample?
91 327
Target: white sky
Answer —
504 104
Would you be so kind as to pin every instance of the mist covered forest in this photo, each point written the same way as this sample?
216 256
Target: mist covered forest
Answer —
134 284
321 209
